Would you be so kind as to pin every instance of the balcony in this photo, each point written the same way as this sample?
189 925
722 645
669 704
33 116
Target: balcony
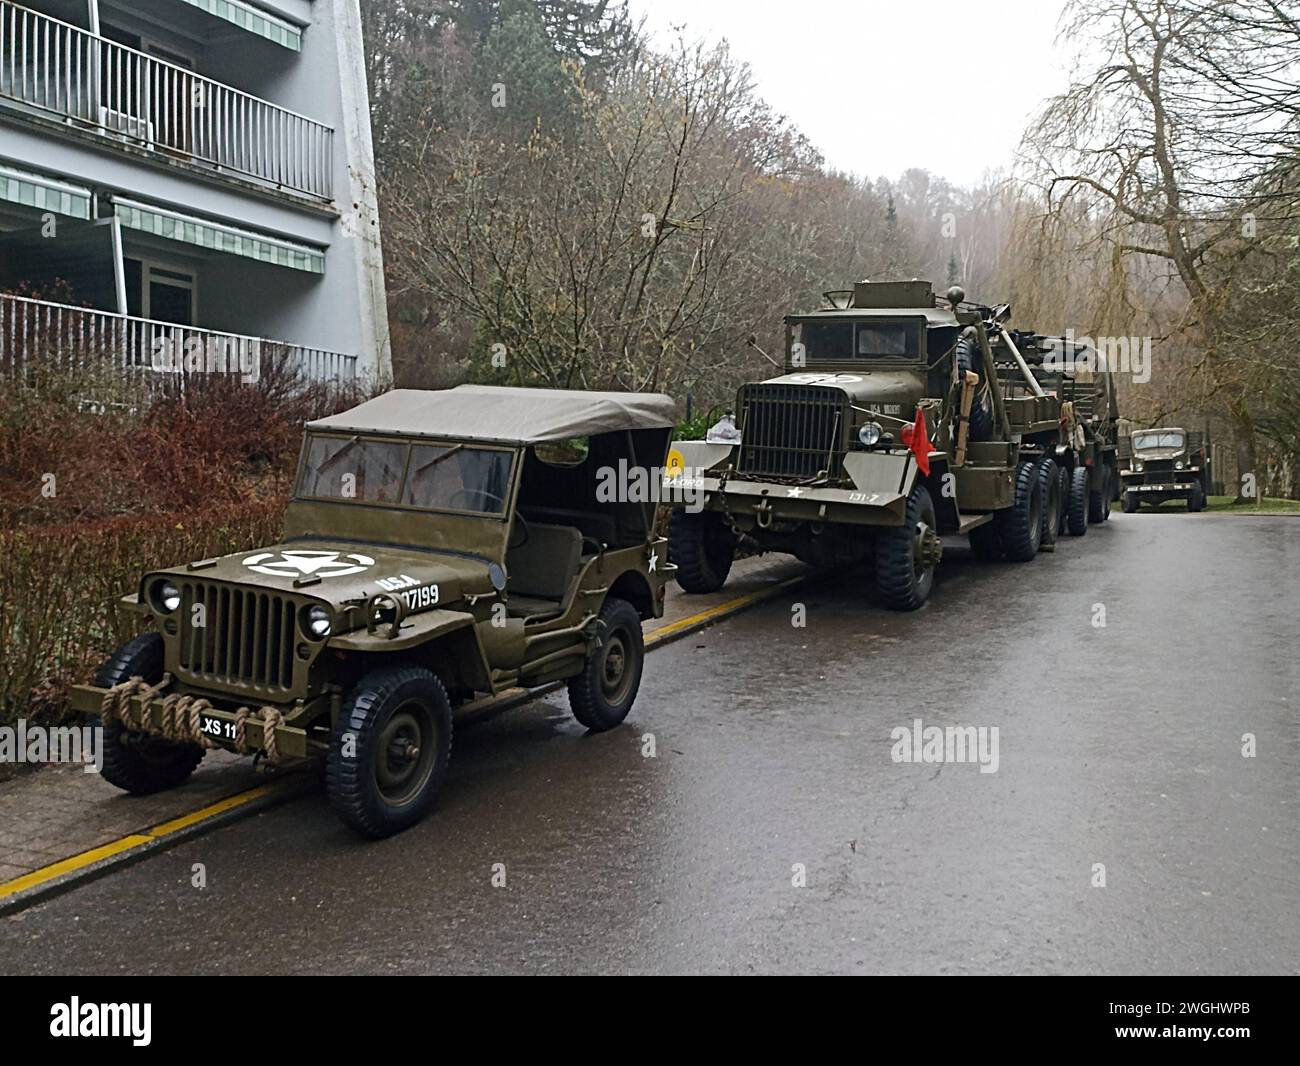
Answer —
147 356
52 68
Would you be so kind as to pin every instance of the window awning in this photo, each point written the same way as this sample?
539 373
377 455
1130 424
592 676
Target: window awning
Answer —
174 226
254 20
44 194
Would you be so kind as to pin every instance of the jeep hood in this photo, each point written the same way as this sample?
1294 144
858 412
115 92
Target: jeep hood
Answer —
338 572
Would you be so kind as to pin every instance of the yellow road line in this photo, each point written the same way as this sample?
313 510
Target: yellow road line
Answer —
149 836
128 843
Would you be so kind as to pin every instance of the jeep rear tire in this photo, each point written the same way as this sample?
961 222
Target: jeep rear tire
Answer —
1049 487
1020 526
1077 512
907 555
133 761
390 749
702 548
602 695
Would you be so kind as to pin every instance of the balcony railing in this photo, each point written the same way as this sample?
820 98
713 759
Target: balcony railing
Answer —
123 93
142 355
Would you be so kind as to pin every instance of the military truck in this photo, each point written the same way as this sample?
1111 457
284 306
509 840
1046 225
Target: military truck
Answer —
1087 455
1167 463
889 427
440 548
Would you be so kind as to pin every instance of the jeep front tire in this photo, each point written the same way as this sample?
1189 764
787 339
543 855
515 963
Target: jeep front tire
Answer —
133 761
390 749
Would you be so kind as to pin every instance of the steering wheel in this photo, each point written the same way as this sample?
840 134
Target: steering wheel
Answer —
481 493
521 524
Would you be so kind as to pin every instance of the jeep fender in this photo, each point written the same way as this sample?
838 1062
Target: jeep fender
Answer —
452 634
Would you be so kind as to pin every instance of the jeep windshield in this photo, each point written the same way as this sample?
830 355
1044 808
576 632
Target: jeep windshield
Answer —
428 476
850 342
1164 439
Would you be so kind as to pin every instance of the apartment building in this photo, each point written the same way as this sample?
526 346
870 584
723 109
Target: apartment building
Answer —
189 182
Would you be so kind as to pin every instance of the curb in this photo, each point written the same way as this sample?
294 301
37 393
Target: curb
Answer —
46 882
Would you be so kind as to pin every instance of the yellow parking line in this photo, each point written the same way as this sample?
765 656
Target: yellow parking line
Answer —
149 836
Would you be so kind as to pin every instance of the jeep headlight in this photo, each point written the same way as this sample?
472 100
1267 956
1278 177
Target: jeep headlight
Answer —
166 597
870 434
317 622
1179 464
1137 465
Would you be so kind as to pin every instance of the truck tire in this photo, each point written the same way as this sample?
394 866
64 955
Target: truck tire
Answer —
981 408
1077 512
388 756
1196 501
906 556
1020 526
702 548
602 695
1099 497
138 762
1049 487
984 542
1130 503
1064 523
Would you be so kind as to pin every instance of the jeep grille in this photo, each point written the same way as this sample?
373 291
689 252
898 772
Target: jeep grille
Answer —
793 431
247 639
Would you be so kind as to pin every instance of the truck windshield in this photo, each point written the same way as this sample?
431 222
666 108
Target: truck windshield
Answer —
1160 439
854 341
445 477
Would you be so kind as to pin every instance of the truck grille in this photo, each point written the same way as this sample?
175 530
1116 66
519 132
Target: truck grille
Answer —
1158 471
791 430
247 638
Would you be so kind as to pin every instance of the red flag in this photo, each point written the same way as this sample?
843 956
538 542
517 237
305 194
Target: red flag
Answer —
913 434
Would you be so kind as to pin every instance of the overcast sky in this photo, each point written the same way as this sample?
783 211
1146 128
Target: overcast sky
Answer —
883 85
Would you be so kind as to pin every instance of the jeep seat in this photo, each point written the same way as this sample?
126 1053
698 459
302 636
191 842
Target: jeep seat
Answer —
541 569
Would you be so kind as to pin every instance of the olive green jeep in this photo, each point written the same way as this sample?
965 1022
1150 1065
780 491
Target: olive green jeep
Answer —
440 549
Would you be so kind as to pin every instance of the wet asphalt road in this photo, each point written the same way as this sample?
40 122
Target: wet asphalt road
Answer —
1119 745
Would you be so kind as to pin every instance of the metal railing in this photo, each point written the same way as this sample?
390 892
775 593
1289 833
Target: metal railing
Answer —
39 336
123 93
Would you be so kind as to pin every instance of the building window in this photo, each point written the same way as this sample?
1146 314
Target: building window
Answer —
160 293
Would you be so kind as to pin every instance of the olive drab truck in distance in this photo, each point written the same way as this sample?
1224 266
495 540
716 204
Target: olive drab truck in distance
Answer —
440 549
1168 463
899 418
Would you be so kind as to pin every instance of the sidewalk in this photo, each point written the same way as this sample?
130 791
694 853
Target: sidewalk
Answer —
61 811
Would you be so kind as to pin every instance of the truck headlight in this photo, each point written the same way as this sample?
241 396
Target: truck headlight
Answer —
166 597
870 434
1179 464
316 622
1137 465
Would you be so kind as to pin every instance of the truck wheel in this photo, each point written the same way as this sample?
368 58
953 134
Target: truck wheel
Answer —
907 555
133 761
1020 526
1049 487
388 757
981 409
1077 512
1196 501
601 696
984 542
702 548
1062 525
1099 498
1130 503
